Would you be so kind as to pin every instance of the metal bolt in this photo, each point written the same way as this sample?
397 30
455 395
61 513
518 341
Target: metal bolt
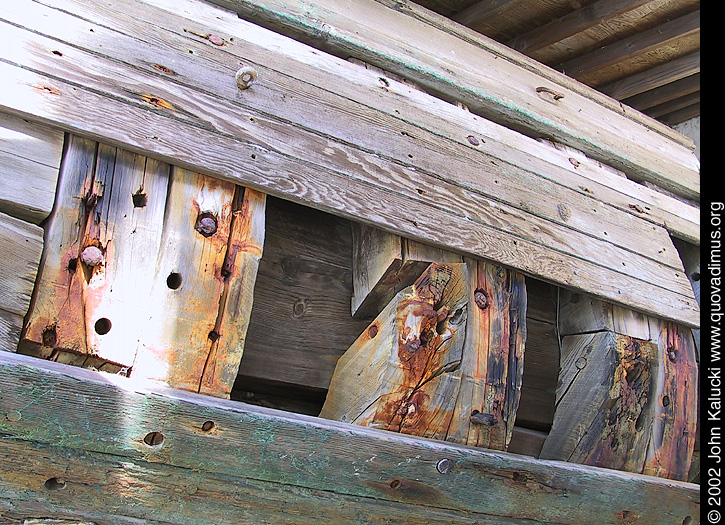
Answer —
444 466
246 76
206 224
92 256
481 299
473 140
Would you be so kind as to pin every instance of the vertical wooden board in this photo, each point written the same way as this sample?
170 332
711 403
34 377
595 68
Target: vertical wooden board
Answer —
676 404
21 245
492 366
246 242
423 367
188 283
30 156
125 226
55 319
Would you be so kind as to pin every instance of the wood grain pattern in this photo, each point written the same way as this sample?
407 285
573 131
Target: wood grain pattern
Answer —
21 244
276 447
385 42
29 163
259 178
443 359
149 267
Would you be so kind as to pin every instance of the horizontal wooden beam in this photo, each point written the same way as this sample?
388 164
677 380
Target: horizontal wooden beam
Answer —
410 46
681 115
674 105
654 77
666 93
577 21
81 419
347 170
479 11
644 42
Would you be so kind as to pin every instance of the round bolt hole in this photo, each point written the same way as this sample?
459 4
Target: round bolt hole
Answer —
72 265
373 331
173 281
153 439
102 326
395 484
208 426
55 484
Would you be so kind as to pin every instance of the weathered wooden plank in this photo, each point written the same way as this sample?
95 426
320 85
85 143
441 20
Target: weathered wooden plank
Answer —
246 241
301 324
29 163
384 263
112 415
388 39
414 230
643 415
109 489
443 359
21 245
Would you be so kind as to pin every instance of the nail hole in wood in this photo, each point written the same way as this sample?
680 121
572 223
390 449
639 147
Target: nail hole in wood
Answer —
173 281
153 439
102 326
57 53
72 265
54 484
208 426
140 199
395 484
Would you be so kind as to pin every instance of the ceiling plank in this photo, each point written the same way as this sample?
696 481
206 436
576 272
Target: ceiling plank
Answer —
571 24
682 115
479 11
654 38
674 105
654 77
665 93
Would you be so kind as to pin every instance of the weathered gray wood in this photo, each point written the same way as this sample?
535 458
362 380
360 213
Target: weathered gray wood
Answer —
29 162
388 39
384 263
642 414
301 322
269 446
21 245
419 228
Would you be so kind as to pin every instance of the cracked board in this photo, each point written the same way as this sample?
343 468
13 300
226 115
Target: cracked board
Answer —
148 267
627 394
443 360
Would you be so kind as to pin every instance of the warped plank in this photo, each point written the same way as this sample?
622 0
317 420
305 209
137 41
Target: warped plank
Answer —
21 244
112 415
412 48
29 163
259 177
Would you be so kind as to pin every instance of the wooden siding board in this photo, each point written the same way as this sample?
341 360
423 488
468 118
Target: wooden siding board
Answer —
111 415
182 126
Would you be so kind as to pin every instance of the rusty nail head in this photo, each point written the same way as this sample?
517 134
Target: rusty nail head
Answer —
444 466
473 140
481 299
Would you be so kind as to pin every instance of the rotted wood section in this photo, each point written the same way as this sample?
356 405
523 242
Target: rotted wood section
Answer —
112 450
627 394
443 359
143 267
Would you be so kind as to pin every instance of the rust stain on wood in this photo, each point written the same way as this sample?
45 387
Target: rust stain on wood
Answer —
158 102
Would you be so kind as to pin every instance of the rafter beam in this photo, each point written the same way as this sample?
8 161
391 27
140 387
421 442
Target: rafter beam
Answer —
666 93
575 22
654 77
649 40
